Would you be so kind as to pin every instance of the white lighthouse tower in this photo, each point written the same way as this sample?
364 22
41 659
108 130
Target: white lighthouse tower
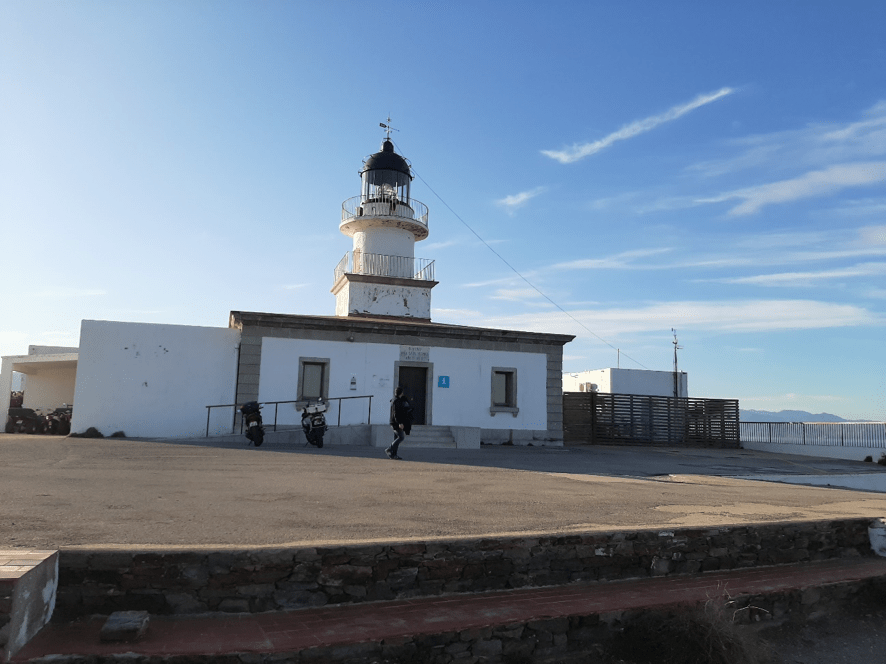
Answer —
381 276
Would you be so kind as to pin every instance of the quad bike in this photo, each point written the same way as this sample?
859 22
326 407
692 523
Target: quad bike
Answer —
23 420
58 422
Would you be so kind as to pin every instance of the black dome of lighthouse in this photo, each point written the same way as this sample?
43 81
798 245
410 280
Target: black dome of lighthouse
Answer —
387 160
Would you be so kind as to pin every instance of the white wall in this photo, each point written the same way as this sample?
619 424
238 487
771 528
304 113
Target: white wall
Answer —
629 381
154 380
386 241
464 403
382 299
49 387
5 386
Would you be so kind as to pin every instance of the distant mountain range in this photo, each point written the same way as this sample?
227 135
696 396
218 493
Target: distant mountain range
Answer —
787 416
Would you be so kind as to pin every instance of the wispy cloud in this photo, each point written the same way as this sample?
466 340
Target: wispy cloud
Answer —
294 286
577 152
813 146
516 201
812 184
810 278
875 123
737 316
510 279
873 234
524 295
434 246
622 260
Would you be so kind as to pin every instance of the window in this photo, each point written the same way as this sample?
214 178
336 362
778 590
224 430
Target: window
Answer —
504 391
313 378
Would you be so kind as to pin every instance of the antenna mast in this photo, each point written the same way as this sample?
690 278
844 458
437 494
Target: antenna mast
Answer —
676 370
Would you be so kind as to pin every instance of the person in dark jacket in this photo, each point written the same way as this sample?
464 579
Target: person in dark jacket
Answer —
401 421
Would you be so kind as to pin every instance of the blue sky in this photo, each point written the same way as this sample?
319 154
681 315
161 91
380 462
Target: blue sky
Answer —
715 168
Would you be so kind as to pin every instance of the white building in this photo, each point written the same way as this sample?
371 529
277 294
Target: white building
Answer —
628 381
466 384
49 377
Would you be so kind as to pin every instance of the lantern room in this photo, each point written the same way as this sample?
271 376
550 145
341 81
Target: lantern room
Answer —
385 176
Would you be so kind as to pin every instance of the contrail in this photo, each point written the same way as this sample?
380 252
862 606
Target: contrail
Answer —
635 128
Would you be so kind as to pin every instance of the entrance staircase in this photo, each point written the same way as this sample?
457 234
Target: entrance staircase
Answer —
430 437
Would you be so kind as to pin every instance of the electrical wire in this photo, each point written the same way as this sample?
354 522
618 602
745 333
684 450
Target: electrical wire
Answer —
517 272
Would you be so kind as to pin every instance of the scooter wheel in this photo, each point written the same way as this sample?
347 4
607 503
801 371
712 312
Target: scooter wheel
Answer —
258 437
319 441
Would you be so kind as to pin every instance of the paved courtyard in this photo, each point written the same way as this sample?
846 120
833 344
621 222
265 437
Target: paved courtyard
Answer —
62 492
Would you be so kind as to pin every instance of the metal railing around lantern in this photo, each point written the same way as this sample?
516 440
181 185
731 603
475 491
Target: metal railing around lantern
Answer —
384 205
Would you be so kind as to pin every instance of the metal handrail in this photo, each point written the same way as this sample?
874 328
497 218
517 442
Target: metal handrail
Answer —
382 265
276 405
383 205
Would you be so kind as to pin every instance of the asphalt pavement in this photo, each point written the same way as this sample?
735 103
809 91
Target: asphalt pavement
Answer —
64 492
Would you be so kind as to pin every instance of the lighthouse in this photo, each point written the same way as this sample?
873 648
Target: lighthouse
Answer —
380 276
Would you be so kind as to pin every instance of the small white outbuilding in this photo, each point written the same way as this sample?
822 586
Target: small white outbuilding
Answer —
628 381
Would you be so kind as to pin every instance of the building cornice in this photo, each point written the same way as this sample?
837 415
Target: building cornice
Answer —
392 327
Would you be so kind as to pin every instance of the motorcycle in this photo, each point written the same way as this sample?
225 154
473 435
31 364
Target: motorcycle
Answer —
255 432
313 423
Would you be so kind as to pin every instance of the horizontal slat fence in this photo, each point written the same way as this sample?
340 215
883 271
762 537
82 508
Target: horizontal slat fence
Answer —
632 419
828 434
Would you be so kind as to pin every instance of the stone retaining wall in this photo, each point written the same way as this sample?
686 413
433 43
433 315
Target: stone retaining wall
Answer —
573 639
195 581
576 639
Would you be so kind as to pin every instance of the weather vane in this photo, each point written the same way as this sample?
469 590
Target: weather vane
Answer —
388 128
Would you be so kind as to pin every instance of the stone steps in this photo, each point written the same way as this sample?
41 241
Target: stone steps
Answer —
428 436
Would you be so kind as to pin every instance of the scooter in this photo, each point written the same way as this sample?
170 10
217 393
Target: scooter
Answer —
255 432
313 423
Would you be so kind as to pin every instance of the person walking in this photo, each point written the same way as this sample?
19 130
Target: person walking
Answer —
401 421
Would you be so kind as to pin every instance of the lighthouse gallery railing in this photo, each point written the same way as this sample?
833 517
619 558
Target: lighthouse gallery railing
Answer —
384 206
380 265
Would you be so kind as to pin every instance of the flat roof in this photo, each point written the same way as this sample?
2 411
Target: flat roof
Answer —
390 325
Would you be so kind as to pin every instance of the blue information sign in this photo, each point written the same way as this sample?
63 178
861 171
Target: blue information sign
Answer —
443 381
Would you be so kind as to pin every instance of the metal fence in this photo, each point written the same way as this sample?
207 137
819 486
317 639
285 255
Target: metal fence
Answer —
829 434
630 419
